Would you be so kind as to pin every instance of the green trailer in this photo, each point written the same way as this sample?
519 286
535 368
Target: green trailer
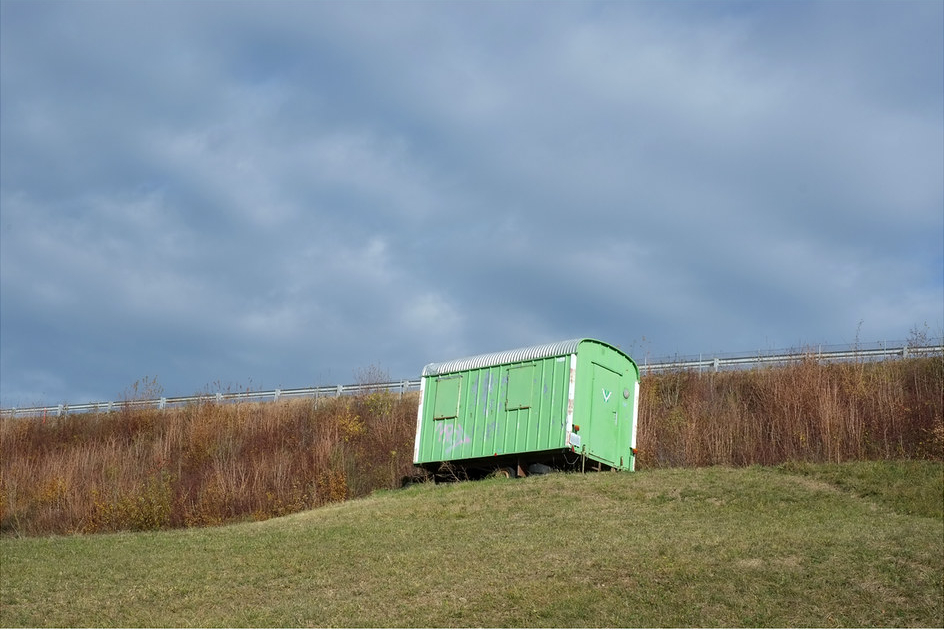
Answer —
565 405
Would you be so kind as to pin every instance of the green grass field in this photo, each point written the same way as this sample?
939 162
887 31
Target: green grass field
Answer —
855 545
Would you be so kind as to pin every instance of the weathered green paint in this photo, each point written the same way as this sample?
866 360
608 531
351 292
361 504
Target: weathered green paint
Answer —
520 407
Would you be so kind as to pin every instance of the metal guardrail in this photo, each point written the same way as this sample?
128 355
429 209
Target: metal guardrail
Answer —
167 402
877 352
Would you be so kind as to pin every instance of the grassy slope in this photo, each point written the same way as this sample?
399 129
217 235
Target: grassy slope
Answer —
809 546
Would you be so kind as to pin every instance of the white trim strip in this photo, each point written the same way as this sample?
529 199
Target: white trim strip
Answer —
632 441
419 422
571 391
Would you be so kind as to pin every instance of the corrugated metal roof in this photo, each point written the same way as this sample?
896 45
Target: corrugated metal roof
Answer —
529 353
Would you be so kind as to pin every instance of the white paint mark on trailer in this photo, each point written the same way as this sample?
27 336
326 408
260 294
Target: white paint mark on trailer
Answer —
451 436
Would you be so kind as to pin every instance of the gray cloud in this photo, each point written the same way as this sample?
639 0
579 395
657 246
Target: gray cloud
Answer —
282 193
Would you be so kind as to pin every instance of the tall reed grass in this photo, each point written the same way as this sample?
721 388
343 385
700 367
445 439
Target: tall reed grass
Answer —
208 464
807 411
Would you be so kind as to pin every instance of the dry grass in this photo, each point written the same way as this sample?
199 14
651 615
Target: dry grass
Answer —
809 411
201 465
211 464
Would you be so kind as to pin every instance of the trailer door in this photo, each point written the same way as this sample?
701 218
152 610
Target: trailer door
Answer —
603 432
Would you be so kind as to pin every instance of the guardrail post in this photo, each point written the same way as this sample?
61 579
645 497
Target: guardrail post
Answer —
59 410
275 397
219 397
162 403
340 389
716 363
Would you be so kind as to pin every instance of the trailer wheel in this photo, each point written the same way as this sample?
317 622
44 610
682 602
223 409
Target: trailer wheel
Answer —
507 472
539 469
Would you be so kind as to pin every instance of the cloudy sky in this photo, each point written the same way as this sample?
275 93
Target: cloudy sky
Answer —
232 195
